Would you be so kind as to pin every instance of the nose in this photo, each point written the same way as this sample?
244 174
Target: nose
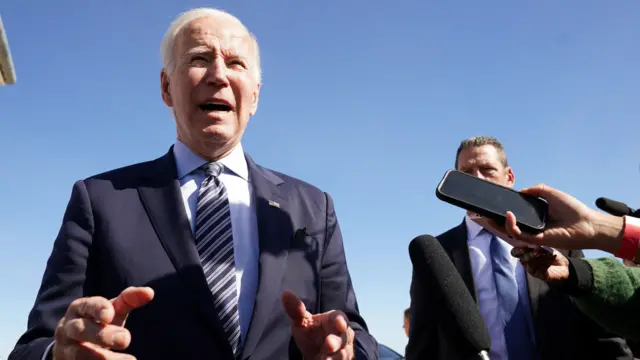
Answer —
217 74
477 173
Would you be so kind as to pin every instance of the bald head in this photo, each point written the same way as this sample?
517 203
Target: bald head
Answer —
185 20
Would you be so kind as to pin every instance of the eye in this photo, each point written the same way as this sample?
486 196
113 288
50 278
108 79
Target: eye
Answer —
199 60
489 172
237 63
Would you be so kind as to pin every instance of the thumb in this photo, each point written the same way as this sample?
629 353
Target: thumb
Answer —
294 308
129 299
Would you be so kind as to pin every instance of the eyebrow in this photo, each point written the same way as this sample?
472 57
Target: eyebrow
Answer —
198 50
203 49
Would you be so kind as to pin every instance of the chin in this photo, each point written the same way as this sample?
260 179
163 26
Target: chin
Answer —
218 134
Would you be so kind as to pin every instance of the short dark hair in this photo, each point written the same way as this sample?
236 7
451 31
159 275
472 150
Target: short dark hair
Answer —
407 313
478 141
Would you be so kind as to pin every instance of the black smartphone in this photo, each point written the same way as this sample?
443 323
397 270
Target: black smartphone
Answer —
493 201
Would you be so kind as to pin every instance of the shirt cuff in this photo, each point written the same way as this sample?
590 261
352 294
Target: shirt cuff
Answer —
580 280
47 353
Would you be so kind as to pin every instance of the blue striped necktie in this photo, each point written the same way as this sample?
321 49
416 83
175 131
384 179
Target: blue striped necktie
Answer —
214 243
511 308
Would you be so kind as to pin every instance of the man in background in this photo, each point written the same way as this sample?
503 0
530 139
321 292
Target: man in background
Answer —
526 319
407 321
201 253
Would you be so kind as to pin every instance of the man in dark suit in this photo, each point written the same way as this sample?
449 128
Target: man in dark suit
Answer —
526 319
200 253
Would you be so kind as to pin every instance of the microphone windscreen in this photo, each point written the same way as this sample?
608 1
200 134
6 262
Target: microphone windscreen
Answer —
613 207
434 269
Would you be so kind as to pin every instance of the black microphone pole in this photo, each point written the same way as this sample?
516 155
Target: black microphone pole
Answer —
460 314
616 208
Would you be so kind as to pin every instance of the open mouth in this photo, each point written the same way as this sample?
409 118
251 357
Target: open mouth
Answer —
215 106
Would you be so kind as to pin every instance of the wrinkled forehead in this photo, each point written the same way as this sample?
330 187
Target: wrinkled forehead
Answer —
215 33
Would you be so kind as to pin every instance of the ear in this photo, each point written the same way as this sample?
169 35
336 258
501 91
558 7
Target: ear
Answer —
511 177
254 102
164 88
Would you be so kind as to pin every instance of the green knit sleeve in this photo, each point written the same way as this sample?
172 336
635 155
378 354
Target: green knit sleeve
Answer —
614 300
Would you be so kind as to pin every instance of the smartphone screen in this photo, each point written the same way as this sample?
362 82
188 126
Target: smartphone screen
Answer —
492 200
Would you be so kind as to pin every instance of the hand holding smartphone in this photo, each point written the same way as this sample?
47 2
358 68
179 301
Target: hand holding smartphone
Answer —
486 200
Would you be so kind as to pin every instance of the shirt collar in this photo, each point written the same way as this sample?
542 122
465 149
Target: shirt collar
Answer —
187 161
473 228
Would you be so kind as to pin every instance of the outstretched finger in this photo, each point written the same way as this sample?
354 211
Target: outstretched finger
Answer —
295 309
130 299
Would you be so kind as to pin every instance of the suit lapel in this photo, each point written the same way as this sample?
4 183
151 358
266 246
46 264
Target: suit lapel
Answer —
459 251
456 245
275 232
162 199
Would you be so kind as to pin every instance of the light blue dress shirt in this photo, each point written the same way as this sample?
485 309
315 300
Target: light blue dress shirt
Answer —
479 252
244 223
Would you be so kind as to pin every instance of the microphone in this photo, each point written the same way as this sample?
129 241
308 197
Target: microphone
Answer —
435 270
616 208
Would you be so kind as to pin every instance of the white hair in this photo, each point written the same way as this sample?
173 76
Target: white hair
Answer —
168 41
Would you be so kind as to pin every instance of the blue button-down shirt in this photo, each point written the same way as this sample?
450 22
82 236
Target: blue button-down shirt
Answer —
479 252
243 217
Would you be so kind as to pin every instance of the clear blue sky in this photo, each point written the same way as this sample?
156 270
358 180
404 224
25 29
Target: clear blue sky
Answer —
366 100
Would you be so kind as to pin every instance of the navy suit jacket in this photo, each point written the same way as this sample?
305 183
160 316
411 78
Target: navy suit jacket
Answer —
128 227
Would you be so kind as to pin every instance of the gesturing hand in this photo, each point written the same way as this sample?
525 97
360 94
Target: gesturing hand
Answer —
93 325
320 336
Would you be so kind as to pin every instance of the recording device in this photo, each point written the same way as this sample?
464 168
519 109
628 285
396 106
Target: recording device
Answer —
435 270
493 201
616 208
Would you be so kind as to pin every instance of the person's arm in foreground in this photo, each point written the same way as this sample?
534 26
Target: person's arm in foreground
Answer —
604 289
64 322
